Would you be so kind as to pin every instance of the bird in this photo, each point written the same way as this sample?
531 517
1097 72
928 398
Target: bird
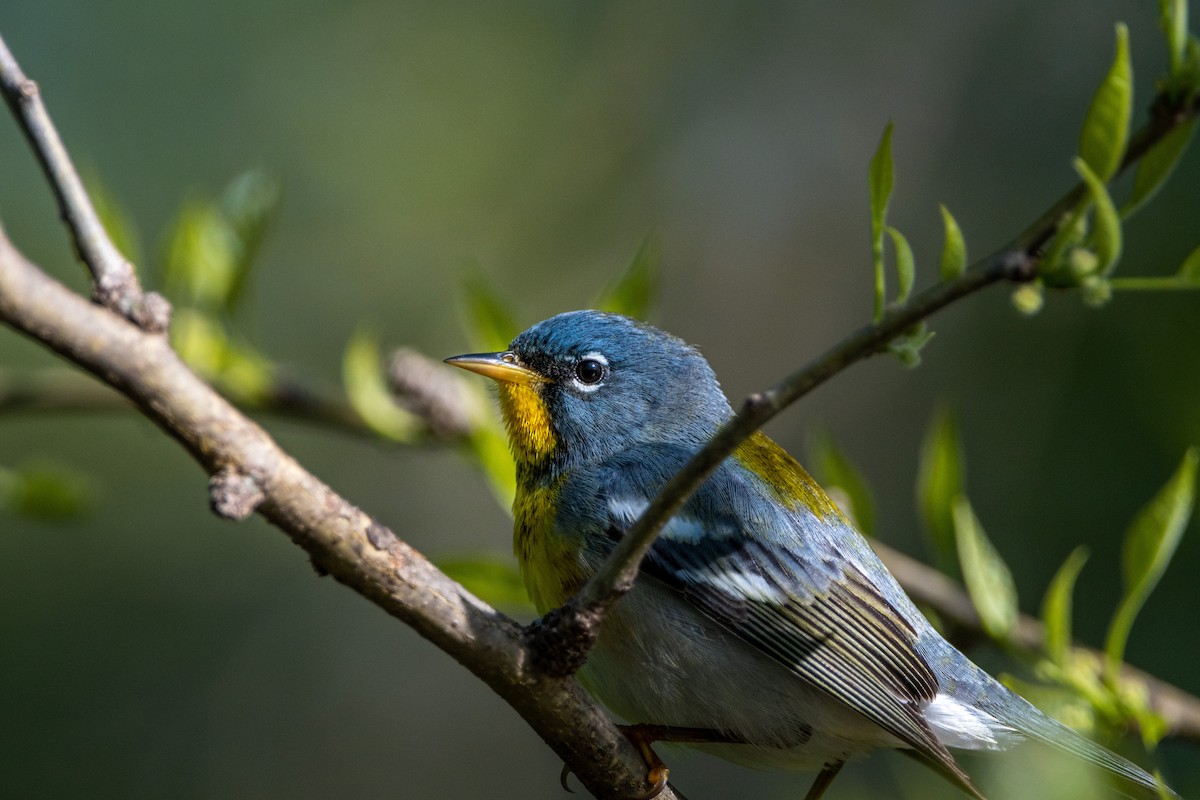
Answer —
762 627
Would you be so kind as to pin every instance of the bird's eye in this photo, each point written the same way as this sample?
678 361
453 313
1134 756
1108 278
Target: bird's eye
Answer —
589 371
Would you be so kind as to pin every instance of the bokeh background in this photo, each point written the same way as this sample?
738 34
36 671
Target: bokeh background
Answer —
149 650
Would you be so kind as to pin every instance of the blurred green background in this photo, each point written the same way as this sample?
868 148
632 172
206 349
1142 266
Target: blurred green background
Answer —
150 650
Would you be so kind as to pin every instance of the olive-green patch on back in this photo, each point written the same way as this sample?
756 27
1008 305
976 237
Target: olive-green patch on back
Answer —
788 480
548 562
528 421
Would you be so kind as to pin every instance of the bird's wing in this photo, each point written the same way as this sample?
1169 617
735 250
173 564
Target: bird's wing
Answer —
778 578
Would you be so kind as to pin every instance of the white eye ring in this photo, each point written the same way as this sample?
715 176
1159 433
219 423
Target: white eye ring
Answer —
589 372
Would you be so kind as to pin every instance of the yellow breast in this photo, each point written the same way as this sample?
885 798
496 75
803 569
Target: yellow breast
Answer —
549 560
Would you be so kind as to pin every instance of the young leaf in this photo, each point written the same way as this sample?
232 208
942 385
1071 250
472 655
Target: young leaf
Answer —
1056 607
202 257
988 579
1189 270
906 267
47 491
634 289
1173 19
490 326
1186 277
491 577
954 248
1106 230
941 477
368 393
908 345
1106 126
489 445
248 204
1156 167
881 180
836 471
1028 298
115 218
1150 543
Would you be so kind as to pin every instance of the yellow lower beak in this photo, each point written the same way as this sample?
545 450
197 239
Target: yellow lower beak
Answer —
497 366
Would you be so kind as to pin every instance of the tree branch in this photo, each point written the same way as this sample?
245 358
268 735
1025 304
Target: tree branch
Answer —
251 472
1019 261
114 283
342 540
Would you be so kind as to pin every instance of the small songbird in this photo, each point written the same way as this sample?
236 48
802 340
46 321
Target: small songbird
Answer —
762 627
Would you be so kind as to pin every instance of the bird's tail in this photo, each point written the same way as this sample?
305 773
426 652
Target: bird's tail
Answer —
1020 715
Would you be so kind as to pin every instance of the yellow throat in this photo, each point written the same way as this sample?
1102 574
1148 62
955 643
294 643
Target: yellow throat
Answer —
528 422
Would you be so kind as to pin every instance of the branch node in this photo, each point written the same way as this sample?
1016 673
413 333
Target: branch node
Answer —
233 494
380 537
151 313
430 390
28 89
560 641
1020 267
756 403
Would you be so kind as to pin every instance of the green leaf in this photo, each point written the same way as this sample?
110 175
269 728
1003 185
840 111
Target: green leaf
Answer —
1106 126
1149 546
1106 228
1189 270
634 289
490 326
47 491
837 472
490 577
906 268
941 477
1028 298
203 343
988 579
248 205
489 446
1156 167
1056 607
368 392
1187 277
115 218
954 248
908 345
202 258
881 180
1173 19
1059 262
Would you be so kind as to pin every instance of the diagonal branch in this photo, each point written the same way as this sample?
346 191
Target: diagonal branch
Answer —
114 283
250 472
1019 261
341 539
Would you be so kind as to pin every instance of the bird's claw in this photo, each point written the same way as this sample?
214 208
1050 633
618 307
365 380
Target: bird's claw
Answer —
657 778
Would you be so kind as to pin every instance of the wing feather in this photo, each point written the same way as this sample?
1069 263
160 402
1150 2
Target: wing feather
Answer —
774 581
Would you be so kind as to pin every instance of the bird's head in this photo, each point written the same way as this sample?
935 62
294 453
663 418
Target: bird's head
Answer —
586 384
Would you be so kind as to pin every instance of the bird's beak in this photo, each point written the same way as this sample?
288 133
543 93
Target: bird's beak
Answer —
497 366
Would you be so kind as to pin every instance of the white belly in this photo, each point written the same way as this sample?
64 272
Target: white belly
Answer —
680 668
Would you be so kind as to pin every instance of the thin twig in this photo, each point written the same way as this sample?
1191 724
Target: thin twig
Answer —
114 283
1018 261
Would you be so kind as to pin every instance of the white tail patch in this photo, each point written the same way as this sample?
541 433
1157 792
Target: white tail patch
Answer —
957 724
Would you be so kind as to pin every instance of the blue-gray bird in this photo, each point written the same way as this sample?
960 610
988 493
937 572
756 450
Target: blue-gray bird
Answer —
762 627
